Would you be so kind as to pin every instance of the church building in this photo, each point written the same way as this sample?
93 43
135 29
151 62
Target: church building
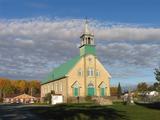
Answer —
83 75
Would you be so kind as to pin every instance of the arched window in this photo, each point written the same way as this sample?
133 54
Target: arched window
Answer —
76 89
80 72
89 40
90 72
60 87
56 87
102 89
91 89
97 73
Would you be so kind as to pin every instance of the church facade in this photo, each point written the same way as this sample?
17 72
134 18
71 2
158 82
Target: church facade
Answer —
81 76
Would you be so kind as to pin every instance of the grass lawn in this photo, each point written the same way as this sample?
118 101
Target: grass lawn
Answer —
95 112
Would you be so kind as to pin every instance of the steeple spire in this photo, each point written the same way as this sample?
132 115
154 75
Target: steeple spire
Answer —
87 41
87 38
86 30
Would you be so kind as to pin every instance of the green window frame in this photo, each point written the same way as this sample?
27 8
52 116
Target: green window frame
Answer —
90 90
102 90
76 91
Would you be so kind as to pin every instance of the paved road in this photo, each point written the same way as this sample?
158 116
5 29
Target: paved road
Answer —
17 112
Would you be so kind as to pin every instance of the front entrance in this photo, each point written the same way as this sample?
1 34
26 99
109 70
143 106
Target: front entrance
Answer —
102 91
76 89
102 88
91 89
75 92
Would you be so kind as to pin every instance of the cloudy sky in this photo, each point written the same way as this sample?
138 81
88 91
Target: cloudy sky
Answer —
38 35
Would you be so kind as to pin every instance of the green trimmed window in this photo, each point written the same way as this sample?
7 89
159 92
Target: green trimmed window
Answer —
102 91
90 72
75 91
97 73
90 90
80 73
76 88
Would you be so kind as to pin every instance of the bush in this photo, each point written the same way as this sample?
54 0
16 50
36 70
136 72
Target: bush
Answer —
88 98
69 100
47 98
1 100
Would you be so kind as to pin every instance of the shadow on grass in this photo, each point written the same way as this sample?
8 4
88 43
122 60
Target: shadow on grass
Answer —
79 112
154 105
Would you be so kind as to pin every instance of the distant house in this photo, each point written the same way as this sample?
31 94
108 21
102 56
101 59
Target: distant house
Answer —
153 93
23 98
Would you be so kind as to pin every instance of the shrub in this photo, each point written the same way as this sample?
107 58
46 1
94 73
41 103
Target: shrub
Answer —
69 100
88 98
47 98
1 100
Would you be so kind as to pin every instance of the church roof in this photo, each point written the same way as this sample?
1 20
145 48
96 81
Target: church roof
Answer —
61 71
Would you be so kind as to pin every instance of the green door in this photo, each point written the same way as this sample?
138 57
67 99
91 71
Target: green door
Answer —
102 91
90 91
75 92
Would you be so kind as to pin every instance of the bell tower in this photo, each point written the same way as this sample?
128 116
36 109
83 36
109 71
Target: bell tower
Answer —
87 41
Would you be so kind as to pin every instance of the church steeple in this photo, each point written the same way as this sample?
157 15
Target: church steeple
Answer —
86 30
87 38
87 41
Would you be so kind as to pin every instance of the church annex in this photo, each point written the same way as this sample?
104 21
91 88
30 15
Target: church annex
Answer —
83 75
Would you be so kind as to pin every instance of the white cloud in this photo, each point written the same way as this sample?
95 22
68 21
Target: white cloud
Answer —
128 33
130 54
70 29
32 47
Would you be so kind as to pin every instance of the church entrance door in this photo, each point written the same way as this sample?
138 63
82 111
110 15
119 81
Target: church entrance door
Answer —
102 91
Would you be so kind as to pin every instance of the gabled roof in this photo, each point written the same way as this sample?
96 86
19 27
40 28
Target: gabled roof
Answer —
24 96
61 71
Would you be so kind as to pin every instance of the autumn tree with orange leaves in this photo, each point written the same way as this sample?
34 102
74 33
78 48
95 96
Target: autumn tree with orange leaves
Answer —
15 87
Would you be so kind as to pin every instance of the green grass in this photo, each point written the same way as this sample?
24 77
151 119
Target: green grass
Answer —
136 112
95 112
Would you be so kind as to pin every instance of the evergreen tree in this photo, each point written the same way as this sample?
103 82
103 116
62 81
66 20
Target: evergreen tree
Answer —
142 87
157 76
119 91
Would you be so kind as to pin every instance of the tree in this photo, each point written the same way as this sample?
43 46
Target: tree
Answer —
157 74
47 98
119 91
5 87
113 91
34 87
14 87
142 87
22 85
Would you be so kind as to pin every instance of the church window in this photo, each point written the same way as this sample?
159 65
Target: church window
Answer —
91 89
89 40
102 89
61 86
97 73
52 86
76 88
90 72
80 72
48 88
56 87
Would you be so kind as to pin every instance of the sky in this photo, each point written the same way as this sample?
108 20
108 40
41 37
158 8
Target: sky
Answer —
38 35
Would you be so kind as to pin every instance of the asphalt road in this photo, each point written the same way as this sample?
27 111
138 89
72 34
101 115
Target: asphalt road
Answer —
17 112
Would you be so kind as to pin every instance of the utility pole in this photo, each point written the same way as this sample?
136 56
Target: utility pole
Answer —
31 91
